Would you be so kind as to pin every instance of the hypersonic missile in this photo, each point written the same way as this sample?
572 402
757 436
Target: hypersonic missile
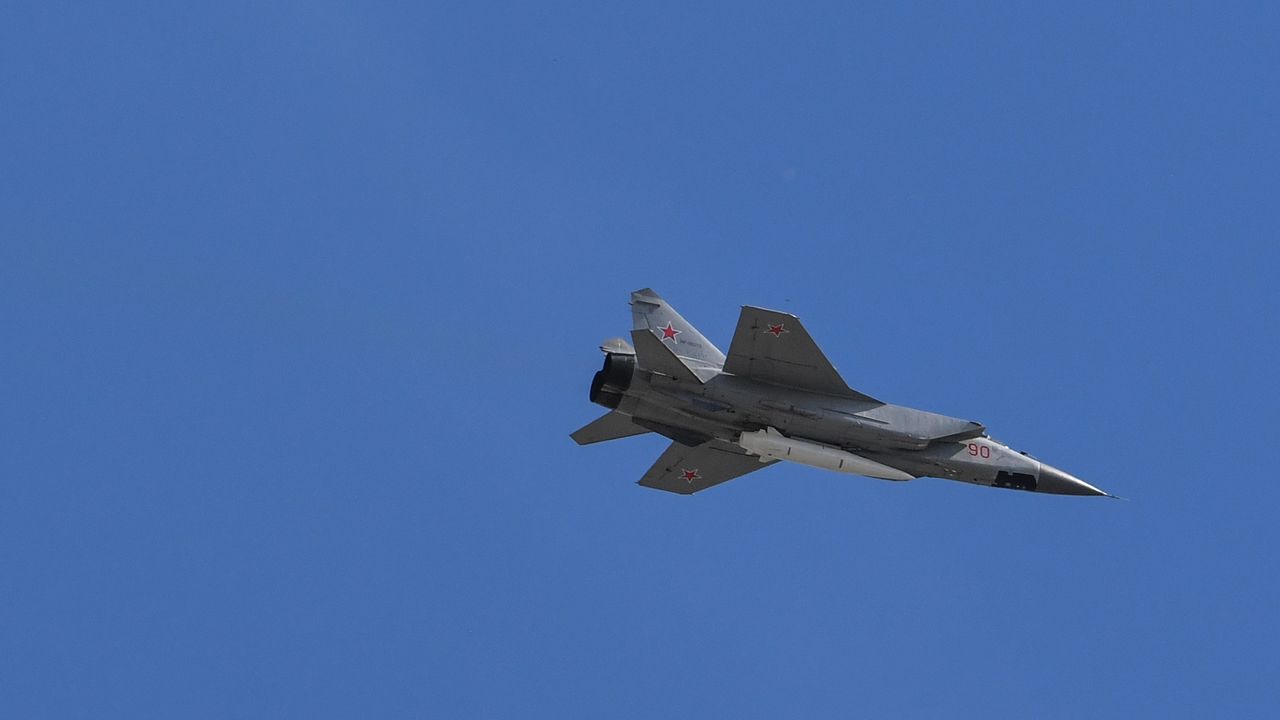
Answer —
770 444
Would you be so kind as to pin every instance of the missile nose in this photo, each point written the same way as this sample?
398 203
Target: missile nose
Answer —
1053 480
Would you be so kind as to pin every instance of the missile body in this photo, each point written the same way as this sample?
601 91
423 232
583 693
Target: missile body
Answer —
773 445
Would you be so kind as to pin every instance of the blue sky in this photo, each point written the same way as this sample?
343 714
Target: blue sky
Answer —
301 301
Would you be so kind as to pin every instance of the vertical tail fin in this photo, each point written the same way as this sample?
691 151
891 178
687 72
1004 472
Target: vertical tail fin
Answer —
650 312
655 356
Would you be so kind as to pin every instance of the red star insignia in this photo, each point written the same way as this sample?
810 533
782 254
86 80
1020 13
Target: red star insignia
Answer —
777 330
669 333
690 475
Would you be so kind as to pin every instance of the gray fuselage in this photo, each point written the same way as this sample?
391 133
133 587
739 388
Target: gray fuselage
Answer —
920 443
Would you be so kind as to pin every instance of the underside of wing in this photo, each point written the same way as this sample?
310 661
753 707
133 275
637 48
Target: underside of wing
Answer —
686 470
774 347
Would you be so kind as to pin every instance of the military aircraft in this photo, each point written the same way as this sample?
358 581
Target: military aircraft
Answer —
777 397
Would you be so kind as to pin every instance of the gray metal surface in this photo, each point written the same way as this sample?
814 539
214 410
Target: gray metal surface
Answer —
686 470
610 426
774 347
673 381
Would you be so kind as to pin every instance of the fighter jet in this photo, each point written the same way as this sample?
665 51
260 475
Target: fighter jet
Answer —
776 397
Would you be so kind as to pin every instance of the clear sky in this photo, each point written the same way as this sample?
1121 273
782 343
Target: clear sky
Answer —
300 301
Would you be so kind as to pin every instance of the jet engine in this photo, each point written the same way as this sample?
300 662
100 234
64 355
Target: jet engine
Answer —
612 381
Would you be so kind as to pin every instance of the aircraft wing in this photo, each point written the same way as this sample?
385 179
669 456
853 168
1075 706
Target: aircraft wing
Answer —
774 347
686 470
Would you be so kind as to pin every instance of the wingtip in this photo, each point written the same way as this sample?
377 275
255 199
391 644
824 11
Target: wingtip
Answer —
791 316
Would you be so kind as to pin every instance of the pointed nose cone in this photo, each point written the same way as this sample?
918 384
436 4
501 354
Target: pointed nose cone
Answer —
1053 480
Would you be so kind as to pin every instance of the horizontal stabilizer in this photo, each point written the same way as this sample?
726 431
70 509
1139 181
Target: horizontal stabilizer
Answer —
610 426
